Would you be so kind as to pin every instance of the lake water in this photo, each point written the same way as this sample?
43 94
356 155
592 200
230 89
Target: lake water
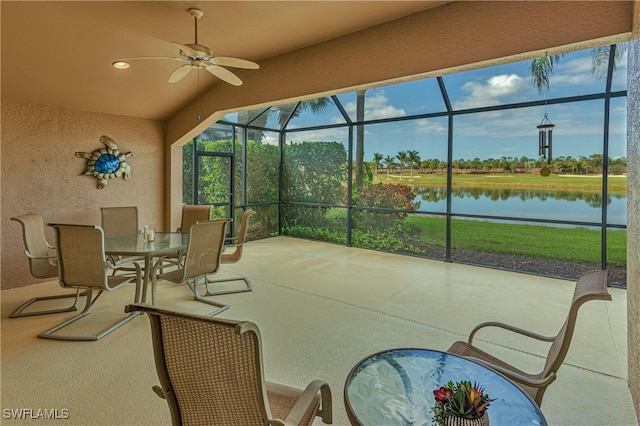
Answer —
525 203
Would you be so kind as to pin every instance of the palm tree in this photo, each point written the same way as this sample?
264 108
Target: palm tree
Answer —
359 137
414 159
258 118
288 111
457 164
584 163
377 159
542 68
402 160
600 58
572 163
388 162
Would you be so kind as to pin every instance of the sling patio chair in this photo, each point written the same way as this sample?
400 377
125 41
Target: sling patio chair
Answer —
192 214
591 286
237 244
211 373
82 264
42 265
201 258
120 221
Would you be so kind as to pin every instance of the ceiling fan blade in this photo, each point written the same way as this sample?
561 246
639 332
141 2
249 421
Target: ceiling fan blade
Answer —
224 74
234 63
179 73
173 58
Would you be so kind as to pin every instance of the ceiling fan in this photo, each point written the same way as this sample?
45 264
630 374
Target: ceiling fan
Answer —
196 57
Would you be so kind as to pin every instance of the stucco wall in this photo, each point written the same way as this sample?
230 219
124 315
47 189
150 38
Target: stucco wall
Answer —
633 222
41 174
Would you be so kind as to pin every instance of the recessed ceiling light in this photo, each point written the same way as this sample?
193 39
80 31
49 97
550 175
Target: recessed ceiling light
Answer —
121 65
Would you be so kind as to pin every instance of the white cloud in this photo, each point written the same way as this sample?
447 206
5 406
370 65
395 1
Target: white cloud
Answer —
496 90
270 138
572 72
424 125
376 107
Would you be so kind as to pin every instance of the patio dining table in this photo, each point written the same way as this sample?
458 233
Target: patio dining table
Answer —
166 243
395 387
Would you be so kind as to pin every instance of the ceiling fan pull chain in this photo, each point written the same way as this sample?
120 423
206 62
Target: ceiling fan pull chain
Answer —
198 98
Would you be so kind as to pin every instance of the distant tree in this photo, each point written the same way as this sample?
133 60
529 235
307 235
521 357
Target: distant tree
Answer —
443 166
596 163
475 164
584 163
359 138
572 164
413 158
377 160
402 160
389 163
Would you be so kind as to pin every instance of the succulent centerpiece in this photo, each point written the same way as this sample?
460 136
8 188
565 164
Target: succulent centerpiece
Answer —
461 404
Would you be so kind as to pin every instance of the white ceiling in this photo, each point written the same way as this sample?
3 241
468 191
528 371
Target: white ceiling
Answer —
60 53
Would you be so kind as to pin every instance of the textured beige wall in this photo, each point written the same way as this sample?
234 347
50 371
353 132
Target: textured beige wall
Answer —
41 174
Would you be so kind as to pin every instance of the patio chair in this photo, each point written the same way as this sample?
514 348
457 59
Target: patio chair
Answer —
237 244
211 373
201 258
591 286
41 265
82 264
192 214
119 220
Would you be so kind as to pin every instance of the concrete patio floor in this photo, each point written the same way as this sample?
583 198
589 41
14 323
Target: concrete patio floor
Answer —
321 308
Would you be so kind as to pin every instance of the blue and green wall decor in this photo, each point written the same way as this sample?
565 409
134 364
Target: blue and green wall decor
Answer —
107 163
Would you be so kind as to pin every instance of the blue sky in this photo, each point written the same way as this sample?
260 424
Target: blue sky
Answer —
510 133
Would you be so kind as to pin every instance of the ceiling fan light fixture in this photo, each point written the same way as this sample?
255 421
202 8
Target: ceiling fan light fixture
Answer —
121 65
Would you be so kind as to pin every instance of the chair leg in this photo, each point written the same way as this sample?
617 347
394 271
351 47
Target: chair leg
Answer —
17 313
51 333
197 296
247 282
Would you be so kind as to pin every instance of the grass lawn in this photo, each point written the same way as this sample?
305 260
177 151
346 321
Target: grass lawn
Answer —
571 244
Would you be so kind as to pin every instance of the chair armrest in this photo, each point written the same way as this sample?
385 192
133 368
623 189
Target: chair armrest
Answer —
510 328
231 241
176 259
302 405
157 389
30 256
519 378
117 264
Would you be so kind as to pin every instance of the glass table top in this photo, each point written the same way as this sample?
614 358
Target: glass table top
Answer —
395 387
134 244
